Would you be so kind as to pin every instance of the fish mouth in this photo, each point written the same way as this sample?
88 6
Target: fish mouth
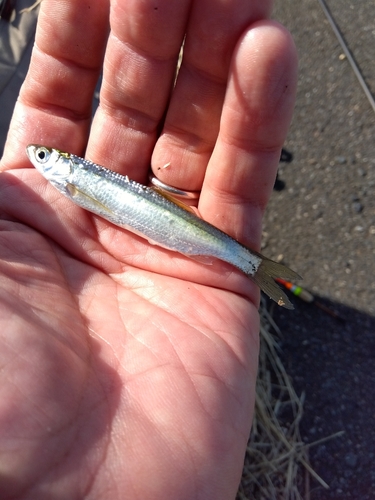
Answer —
30 151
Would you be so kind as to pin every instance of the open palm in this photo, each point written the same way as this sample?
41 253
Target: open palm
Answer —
128 371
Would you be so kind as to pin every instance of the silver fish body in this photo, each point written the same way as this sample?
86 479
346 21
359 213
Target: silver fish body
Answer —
146 212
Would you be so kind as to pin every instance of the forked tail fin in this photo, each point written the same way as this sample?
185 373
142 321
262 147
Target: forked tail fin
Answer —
265 276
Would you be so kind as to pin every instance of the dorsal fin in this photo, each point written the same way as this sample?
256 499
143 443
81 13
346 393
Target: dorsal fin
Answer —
173 199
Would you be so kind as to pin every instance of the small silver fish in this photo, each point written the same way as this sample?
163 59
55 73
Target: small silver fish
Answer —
148 213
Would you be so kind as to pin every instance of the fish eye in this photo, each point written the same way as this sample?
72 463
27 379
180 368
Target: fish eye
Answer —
42 155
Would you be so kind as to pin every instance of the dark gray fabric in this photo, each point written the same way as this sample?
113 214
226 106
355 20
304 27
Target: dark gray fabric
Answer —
16 41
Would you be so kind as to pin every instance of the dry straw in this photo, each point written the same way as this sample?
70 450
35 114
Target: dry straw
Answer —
277 463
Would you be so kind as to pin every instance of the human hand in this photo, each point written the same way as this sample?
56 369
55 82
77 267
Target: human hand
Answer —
128 371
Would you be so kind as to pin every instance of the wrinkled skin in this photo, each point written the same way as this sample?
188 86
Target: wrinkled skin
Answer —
127 371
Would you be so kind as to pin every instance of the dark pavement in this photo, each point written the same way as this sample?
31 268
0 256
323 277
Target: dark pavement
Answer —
323 225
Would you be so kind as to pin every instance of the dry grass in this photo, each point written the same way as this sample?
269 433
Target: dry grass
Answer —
277 463
33 6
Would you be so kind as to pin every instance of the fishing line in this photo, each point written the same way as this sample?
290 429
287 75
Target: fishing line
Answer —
348 54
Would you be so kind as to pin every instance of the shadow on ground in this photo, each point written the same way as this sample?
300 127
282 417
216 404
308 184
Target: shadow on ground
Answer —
331 359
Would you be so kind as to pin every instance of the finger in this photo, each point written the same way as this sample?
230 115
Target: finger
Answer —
54 106
139 71
256 116
192 121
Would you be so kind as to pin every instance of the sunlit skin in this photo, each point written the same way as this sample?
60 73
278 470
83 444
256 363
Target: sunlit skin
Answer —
127 371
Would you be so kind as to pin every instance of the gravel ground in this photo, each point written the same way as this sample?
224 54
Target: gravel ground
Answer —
323 224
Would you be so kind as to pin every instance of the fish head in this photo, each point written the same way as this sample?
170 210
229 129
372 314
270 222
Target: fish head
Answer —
53 164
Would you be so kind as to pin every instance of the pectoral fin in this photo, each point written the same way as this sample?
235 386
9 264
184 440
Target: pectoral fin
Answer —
77 193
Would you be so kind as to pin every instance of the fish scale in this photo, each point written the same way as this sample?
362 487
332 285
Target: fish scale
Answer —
141 209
